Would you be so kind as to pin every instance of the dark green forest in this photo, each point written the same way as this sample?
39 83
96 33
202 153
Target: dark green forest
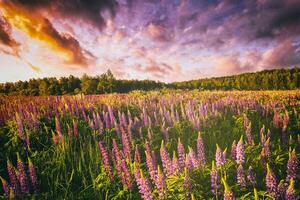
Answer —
276 79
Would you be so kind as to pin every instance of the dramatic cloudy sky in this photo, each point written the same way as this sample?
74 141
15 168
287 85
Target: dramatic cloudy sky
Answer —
167 40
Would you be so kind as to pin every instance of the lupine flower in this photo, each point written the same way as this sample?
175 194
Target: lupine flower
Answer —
265 152
5 186
126 176
187 183
241 176
200 150
144 186
251 176
233 150
165 159
290 192
192 157
20 126
126 144
292 166
175 162
215 179
281 188
240 152
228 194
271 182
22 177
33 176
58 127
137 156
105 159
181 155
249 135
220 161
160 183
12 177
150 165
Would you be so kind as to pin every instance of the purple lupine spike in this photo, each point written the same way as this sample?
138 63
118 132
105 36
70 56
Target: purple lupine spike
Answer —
175 162
33 176
105 159
281 188
160 183
249 135
20 126
265 152
5 186
233 150
144 186
192 157
136 171
188 162
240 152
290 192
153 155
126 176
118 161
292 166
181 155
187 183
214 179
240 176
251 176
150 165
165 159
12 177
271 182
228 194
220 161
126 144
201 150
137 156
22 176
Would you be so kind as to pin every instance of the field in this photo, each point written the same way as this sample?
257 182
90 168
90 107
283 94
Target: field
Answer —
151 145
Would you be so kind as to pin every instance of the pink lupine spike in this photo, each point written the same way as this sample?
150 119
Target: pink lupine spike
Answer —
105 159
240 152
181 155
271 182
5 186
22 176
292 166
33 176
201 150
228 194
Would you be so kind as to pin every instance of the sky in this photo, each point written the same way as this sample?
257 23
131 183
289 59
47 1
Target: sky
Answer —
165 40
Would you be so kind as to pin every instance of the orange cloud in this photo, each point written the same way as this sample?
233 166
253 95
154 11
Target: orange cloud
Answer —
40 28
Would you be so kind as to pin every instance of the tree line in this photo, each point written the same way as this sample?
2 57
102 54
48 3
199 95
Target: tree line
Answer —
276 79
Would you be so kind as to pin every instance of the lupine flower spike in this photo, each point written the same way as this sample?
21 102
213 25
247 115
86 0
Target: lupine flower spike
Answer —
22 175
228 194
33 176
271 182
290 192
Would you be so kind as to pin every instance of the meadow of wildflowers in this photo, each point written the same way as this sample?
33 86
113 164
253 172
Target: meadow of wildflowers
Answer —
154 145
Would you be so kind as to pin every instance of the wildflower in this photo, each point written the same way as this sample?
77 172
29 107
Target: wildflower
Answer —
187 183
290 192
215 179
126 144
271 182
249 135
265 152
292 166
22 175
150 165
33 176
165 159
181 155
192 157
20 126
137 156
281 188
143 185
241 176
251 176
228 194
105 159
201 150
175 162
12 177
220 161
233 150
240 152
5 186
160 183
